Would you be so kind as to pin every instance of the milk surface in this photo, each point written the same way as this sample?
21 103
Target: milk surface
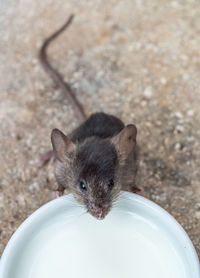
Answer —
123 245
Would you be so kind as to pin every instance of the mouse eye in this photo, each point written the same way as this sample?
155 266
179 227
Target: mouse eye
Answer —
82 186
111 184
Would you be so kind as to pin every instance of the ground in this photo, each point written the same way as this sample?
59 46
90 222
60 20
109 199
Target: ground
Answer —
138 60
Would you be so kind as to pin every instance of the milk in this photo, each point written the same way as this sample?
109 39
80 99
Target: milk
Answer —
123 245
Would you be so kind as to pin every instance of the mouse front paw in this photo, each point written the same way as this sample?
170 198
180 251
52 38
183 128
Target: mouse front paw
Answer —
45 158
138 191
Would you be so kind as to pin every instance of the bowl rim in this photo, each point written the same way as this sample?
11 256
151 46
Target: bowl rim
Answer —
44 211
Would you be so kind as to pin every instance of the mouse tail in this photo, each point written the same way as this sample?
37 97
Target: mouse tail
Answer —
56 76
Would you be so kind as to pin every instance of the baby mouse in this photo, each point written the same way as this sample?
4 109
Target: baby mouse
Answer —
99 158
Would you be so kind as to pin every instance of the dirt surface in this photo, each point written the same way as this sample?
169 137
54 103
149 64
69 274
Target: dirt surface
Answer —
138 60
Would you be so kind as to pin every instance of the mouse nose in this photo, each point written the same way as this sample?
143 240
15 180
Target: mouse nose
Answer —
98 211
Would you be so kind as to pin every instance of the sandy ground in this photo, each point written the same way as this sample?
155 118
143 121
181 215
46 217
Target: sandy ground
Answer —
138 60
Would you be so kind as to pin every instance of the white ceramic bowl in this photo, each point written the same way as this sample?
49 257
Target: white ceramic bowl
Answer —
129 203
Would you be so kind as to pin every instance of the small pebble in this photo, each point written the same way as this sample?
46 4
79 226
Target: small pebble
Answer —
179 115
190 138
148 92
177 146
180 128
197 214
21 200
143 103
163 81
138 45
184 57
185 77
190 112
158 123
1 201
34 186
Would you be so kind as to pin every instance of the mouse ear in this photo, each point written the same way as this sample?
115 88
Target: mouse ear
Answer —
62 145
125 141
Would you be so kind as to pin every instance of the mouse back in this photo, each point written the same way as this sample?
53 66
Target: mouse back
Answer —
100 125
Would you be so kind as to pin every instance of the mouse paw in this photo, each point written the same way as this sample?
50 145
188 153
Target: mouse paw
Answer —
138 191
45 158
58 193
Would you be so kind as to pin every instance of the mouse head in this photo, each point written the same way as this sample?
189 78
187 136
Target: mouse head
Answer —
91 169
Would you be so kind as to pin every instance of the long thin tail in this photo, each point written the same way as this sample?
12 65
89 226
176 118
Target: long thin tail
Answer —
56 76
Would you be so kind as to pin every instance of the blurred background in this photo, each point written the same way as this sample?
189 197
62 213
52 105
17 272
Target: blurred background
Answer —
138 60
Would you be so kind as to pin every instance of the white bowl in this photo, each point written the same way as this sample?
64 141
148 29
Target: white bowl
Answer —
138 210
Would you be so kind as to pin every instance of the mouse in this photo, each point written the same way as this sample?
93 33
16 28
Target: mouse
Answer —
96 160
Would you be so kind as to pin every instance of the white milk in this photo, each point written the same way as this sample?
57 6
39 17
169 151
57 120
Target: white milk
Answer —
123 245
